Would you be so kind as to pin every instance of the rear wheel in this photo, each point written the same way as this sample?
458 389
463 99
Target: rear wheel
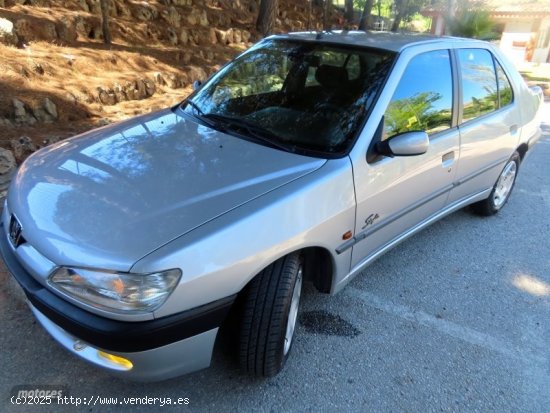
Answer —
270 314
502 189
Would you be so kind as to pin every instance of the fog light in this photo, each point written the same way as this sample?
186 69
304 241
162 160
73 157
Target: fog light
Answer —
119 361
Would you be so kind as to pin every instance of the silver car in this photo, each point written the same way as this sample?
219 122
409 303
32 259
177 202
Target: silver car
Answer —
305 158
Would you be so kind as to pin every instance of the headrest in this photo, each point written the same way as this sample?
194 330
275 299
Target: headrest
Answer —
331 77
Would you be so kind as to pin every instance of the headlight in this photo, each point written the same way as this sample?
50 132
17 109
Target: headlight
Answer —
120 292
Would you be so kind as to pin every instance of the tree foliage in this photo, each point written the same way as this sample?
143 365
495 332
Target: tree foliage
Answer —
404 9
476 24
417 112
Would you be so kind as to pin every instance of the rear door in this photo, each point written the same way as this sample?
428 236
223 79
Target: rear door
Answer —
489 122
395 194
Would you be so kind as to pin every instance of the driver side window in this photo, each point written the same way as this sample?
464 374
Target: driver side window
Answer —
423 100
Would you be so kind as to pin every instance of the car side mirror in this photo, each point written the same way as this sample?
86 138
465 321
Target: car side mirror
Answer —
197 84
404 144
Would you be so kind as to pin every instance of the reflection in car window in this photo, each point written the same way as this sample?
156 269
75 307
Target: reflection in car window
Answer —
423 99
479 83
307 96
504 88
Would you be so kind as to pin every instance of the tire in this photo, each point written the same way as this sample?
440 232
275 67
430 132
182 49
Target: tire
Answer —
269 316
502 190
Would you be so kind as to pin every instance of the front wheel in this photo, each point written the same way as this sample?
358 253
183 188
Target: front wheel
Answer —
502 189
269 316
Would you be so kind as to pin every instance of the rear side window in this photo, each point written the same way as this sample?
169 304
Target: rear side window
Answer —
504 88
479 83
423 100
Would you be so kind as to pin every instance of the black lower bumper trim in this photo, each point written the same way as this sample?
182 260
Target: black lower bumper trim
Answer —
108 334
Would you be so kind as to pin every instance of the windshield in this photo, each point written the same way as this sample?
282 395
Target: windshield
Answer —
295 95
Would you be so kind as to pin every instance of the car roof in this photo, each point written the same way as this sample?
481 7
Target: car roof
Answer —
380 40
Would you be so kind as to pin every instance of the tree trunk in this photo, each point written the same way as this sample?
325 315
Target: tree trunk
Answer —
309 15
327 11
396 22
105 21
363 24
348 14
267 16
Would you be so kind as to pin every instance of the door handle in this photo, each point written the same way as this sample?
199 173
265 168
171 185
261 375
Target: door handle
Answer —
513 129
448 159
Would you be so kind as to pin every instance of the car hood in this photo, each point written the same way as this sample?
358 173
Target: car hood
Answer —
107 198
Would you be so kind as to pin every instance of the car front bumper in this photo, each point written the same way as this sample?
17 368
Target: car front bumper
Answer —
156 349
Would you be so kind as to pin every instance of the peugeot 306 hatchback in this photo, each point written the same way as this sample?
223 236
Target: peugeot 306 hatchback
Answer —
305 158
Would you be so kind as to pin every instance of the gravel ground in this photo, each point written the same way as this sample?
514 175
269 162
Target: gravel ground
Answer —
454 319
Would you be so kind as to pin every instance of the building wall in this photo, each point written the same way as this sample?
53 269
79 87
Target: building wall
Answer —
541 52
515 39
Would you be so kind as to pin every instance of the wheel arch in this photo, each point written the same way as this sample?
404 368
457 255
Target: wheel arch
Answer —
522 150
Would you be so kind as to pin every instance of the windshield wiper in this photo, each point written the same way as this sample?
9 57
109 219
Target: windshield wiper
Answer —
254 131
195 106
203 117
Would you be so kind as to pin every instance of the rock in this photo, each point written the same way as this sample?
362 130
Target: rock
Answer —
50 108
22 147
106 97
49 140
7 162
229 36
84 6
184 37
150 87
46 113
5 123
187 57
130 90
7 32
172 17
94 6
26 30
212 37
119 92
173 81
245 34
172 36
197 17
113 9
103 122
21 115
159 79
197 73
144 12
122 9
222 36
66 29
203 19
237 38
19 108
141 90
